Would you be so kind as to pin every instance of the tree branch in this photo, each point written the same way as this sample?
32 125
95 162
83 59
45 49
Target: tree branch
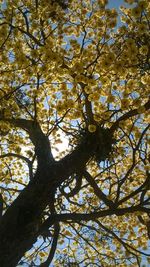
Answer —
76 217
38 138
53 247
98 192
20 157
128 115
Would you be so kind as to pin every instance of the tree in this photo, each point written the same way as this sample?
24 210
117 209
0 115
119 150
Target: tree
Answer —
69 70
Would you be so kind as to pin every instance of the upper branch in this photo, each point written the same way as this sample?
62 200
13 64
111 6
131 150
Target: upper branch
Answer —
23 158
38 138
128 115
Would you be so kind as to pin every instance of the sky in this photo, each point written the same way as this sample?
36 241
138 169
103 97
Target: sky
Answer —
115 3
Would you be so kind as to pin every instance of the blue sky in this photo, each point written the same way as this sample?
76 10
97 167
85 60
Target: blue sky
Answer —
116 3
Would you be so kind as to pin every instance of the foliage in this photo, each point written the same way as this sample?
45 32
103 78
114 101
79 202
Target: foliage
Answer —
72 70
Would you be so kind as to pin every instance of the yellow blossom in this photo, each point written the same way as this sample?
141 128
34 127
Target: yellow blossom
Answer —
143 50
136 12
92 128
141 109
125 103
42 254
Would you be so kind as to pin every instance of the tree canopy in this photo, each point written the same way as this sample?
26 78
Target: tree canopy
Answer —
75 71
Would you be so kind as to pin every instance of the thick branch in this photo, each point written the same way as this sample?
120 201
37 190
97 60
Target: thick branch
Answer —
78 217
39 140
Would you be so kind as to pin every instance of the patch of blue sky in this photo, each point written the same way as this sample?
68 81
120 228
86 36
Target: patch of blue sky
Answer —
116 4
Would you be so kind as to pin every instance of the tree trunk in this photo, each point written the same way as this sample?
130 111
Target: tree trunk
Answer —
19 226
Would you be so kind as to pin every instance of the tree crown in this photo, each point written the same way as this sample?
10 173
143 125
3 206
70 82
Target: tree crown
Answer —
78 70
